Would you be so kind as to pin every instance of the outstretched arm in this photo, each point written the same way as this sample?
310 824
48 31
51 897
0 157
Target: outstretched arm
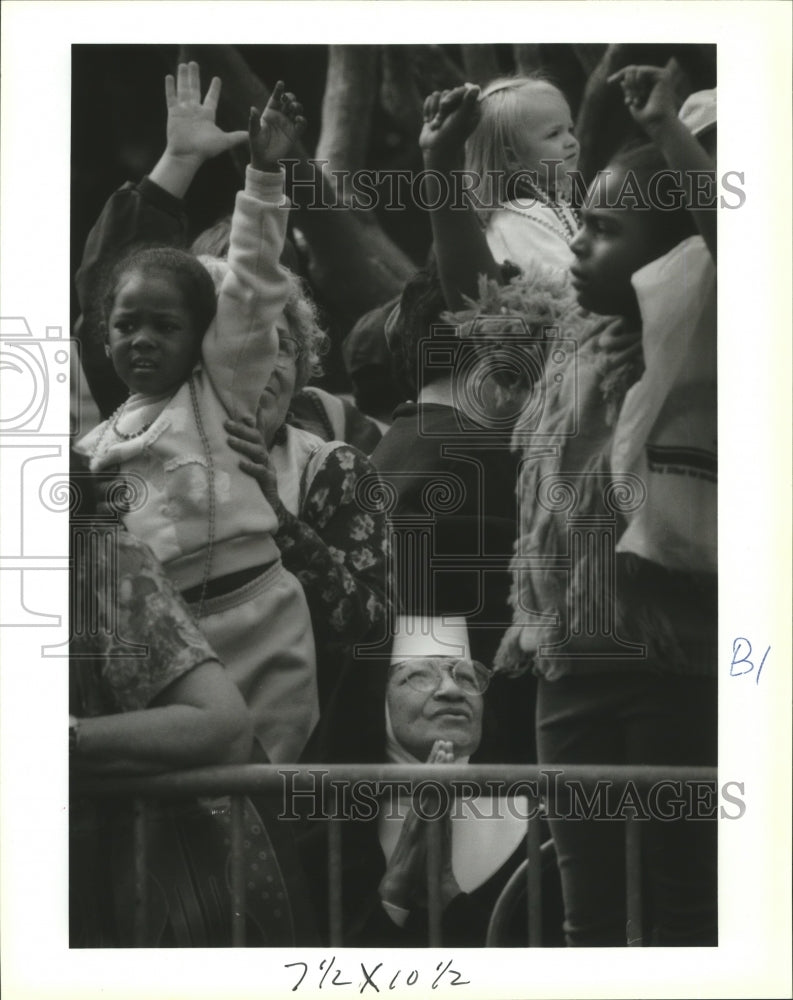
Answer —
241 346
151 212
648 96
460 245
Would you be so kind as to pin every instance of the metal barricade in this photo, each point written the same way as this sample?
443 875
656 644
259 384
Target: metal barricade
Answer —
238 781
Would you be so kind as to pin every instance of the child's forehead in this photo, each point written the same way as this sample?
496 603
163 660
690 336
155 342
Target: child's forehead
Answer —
539 107
542 95
154 281
154 291
515 101
603 193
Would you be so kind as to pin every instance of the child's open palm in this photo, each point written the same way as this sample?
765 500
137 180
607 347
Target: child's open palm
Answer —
191 129
273 134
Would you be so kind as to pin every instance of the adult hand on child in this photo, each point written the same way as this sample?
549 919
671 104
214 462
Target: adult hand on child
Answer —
273 133
191 131
450 116
404 883
648 95
246 439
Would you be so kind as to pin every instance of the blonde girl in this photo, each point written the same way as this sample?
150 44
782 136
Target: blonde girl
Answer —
509 150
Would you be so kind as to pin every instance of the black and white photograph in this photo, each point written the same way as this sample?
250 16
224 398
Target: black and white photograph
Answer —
465 624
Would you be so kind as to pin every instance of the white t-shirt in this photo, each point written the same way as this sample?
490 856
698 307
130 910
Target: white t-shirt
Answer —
527 232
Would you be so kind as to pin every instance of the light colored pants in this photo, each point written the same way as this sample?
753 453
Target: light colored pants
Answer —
262 634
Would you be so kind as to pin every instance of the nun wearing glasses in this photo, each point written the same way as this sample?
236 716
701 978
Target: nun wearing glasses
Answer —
431 700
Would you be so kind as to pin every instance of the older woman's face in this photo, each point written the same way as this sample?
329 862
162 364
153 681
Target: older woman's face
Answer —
276 399
449 712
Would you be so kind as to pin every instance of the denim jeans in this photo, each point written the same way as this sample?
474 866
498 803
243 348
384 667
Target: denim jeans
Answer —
633 718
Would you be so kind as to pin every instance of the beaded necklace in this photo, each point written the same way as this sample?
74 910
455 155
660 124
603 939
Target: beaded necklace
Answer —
560 208
112 423
210 498
118 415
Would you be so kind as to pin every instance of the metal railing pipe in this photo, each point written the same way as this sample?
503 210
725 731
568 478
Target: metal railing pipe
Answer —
434 907
140 854
335 913
237 874
534 880
633 883
270 778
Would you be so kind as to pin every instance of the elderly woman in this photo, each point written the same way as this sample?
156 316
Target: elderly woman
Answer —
146 694
431 700
336 549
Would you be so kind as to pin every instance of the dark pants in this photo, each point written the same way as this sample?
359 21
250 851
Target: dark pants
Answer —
634 718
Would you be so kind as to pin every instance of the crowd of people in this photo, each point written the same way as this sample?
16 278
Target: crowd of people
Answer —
273 576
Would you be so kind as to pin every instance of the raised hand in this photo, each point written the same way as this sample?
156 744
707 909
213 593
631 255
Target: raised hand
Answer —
192 137
191 131
273 133
443 753
450 116
648 95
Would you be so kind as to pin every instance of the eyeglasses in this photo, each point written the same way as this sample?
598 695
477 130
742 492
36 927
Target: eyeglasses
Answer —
426 674
288 351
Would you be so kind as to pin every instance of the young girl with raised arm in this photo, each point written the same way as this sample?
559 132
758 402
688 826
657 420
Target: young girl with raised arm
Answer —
191 360
516 142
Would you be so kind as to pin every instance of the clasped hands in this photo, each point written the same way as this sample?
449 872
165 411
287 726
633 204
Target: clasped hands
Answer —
404 883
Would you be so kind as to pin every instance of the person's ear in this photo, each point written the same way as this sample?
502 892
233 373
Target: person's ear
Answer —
105 338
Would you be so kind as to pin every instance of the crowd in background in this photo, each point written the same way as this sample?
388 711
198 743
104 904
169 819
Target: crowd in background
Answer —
316 583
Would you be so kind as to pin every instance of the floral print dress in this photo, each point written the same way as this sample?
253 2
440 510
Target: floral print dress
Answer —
339 553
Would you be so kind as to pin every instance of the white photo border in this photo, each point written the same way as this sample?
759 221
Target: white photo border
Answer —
754 60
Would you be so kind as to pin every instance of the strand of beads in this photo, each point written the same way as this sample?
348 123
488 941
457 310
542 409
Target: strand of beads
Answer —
210 497
560 209
112 424
114 421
